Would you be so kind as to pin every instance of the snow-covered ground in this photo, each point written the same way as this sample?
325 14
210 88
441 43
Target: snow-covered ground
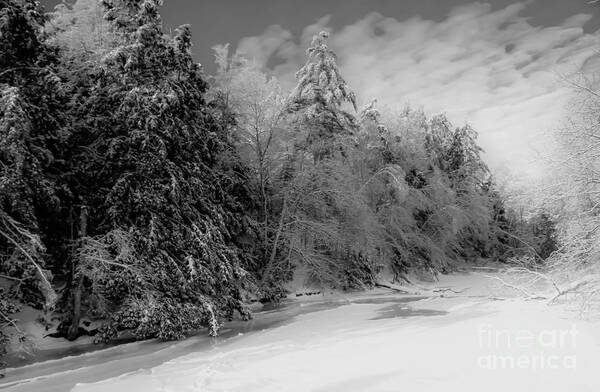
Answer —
361 342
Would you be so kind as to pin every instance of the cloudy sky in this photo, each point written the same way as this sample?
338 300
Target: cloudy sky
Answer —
495 63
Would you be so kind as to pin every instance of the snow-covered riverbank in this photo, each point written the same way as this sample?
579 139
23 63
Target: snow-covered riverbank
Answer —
360 342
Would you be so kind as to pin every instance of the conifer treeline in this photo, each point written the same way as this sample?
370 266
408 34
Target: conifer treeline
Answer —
136 190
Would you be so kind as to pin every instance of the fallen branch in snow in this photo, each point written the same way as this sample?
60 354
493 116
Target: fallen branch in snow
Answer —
573 287
444 289
474 267
514 287
402 290
421 290
11 321
385 286
536 274
307 293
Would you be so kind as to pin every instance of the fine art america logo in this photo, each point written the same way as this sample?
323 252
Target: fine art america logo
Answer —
527 349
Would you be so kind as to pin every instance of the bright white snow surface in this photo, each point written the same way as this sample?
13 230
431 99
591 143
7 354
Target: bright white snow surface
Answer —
367 342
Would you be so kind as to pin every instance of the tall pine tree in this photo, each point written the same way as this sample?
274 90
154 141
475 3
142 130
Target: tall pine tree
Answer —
159 187
318 100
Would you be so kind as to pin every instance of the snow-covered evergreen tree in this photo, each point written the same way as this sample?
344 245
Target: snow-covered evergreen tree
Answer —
320 82
318 99
29 140
162 183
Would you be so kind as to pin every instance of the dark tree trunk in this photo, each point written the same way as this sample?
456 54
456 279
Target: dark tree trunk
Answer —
73 331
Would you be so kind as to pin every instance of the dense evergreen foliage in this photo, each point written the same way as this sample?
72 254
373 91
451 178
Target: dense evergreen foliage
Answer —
135 192
30 138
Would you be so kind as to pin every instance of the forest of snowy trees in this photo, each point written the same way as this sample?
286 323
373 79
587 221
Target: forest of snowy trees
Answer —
139 191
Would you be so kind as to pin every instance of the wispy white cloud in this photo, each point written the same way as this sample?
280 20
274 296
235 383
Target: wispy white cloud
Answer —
490 68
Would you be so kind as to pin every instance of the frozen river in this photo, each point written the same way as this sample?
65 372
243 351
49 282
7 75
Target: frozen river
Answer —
358 342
